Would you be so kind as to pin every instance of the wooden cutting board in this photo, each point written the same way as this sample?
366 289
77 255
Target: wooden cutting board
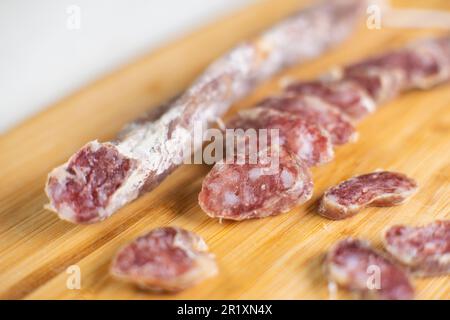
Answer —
274 258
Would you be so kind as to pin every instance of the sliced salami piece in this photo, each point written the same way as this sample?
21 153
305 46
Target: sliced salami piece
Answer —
381 85
421 65
247 191
338 125
424 250
156 145
377 189
355 266
347 96
165 259
309 141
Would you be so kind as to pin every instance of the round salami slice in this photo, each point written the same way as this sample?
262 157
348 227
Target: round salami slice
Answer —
424 250
381 85
429 63
355 266
347 96
165 259
421 65
247 191
338 125
377 189
309 141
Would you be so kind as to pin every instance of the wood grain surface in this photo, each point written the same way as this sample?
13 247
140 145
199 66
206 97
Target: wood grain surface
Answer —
274 258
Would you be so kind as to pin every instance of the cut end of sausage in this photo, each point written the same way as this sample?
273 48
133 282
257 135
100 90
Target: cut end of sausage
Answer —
246 191
80 190
425 250
377 189
355 266
167 259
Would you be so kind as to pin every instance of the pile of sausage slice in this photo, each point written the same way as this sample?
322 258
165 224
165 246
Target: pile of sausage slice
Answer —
422 251
311 118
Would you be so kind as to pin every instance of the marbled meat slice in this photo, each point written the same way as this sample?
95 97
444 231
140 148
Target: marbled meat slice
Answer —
355 266
256 190
315 110
309 141
165 259
377 189
347 96
424 250
381 85
420 65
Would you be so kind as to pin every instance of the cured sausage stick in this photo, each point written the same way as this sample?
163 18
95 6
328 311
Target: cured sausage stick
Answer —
101 178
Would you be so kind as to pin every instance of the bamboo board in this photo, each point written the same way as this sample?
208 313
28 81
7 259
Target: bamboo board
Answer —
274 258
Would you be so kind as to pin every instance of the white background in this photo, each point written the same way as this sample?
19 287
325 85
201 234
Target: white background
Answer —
42 59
